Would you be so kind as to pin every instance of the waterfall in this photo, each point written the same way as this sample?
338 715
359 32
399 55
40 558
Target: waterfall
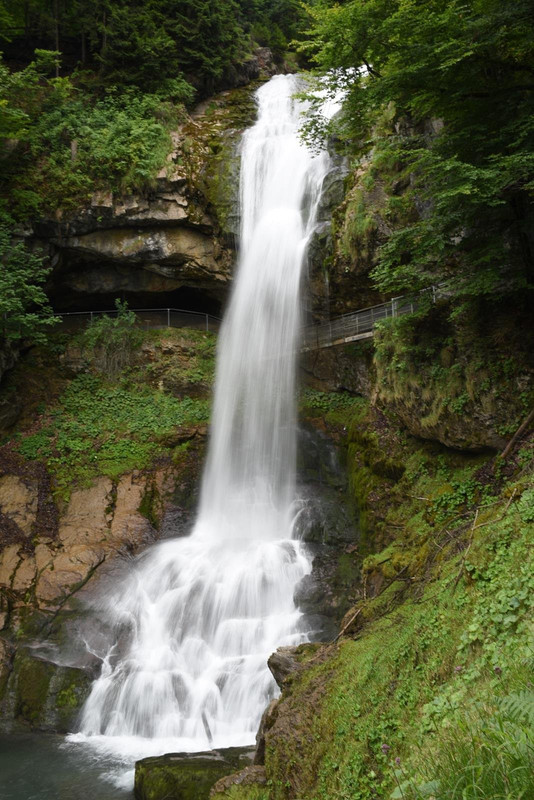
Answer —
196 618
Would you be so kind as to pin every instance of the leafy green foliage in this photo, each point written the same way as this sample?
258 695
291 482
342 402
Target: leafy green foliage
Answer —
112 341
94 111
458 79
460 495
70 143
486 756
427 699
152 44
107 429
24 309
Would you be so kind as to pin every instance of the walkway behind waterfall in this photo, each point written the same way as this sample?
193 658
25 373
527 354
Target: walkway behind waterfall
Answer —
351 327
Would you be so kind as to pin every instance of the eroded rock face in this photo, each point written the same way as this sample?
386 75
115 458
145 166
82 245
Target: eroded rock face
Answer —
145 246
18 502
42 694
346 367
99 522
178 236
40 579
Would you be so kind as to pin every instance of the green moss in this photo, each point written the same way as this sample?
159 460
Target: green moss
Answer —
213 159
451 376
358 234
187 778
149 504
67 698
31 678
74 686
457 631
334 408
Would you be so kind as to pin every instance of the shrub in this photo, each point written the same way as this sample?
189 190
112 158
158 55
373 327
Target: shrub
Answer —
113 340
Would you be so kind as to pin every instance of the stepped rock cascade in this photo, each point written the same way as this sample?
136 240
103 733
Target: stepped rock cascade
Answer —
197 617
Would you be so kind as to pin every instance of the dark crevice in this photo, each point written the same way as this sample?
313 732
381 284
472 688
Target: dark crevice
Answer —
186 298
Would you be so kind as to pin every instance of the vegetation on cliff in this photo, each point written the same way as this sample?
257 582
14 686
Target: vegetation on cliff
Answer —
25 312
443 94
123 399
428 693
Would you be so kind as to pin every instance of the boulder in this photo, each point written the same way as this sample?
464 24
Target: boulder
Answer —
283 663
185 776
44 695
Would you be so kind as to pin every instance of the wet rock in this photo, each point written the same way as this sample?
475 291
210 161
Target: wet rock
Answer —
185 776
283 663
24 575
9 560
345 367
7 651
250 776
327 592
129 524
267 721
328 523
44 695
99 523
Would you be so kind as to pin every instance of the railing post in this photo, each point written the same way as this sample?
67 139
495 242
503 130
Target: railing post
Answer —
91 313
392 306
207 323
168 318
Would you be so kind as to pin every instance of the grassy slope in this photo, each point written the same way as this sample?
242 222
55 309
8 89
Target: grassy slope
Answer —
443 630
82 424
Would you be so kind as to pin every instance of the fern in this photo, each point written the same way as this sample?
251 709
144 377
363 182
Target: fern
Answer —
518 707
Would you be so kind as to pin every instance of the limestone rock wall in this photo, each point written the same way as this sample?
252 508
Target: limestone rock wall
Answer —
179 234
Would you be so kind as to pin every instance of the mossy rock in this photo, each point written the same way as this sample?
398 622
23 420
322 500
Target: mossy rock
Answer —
6 656
46 696
184 776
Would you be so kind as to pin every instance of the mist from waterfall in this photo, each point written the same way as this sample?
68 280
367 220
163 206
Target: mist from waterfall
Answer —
196 618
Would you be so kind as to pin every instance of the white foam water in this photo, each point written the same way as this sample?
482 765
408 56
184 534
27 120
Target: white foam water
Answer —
196 618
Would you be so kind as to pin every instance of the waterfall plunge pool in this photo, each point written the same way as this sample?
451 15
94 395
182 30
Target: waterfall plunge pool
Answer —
38 766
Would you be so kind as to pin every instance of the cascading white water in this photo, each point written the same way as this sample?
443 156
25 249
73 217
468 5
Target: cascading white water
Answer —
197 617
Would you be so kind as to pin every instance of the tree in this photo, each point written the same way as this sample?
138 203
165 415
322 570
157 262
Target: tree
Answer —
459 78
24 309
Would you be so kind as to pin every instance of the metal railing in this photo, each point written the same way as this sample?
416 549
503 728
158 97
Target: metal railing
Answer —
360 324
146 318
349 327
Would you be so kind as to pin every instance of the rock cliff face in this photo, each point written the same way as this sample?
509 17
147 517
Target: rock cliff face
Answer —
54 546
173 244
40 570
461 379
